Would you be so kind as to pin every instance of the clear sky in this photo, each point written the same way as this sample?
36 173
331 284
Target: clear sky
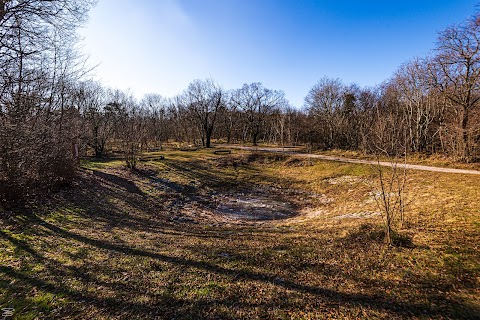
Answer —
160 46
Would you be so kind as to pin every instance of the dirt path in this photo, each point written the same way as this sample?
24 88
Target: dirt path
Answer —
359 161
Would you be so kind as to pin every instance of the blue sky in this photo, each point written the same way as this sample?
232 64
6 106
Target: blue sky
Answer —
161 46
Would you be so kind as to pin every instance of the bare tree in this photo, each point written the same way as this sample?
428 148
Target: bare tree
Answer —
133 131
257 103
156 108
323 103
367 102
390 141
229 118
456 74
38 70
204 99
100 116
391 196
419 103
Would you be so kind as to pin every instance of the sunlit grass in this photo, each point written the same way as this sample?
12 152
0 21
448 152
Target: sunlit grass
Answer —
110 248
95 164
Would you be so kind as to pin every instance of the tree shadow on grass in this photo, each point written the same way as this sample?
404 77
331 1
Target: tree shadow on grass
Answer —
216 186
378 302
142 214
119 182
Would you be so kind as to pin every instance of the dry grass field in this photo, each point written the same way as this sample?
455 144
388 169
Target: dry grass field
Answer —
198 235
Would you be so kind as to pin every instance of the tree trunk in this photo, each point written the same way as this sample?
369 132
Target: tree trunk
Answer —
208 135
464 135
254 139
2 8
98 152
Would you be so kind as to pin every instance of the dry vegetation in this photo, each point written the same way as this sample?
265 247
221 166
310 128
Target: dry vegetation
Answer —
156 244
193 233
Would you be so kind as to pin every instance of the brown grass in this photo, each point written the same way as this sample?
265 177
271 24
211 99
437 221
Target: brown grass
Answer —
151 245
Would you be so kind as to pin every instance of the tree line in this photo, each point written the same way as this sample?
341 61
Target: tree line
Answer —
51 114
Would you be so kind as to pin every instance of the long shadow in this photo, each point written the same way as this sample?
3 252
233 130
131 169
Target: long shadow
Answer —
165 306
57 268
118 181
208 175
94 208
215 177
224 182
149 213
374 301
115 306
95 199
95 204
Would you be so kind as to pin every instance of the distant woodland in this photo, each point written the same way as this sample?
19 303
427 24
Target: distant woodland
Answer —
52 113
